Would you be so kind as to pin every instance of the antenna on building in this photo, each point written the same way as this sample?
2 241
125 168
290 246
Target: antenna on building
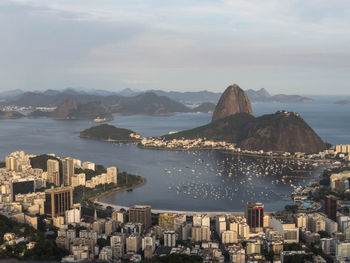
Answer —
95 215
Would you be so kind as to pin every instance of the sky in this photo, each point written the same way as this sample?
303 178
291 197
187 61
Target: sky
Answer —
290 47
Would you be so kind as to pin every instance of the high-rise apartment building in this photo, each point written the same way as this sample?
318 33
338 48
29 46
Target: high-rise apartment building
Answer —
10 163
133 243
169 238
254 213
58 201
141 214
220 224
112 172
53 172
331 207
67 170
166 221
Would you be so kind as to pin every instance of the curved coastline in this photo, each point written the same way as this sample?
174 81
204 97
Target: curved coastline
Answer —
118 190
189 213
323 161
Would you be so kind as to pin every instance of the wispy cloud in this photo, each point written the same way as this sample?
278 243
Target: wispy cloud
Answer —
175 44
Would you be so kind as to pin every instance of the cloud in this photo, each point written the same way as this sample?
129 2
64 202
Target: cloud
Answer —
172 43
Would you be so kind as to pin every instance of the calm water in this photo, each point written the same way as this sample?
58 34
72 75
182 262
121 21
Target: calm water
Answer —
203 178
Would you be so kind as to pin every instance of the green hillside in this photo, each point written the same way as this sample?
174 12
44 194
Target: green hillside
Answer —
107 132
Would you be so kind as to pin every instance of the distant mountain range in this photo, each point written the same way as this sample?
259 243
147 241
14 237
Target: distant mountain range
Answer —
197 97
90 104
56 97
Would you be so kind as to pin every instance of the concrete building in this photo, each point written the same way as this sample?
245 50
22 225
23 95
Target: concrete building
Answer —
78 179
73 215
89 165
220 224
186 231
112 172
58 221
200 234
253 247
141 214
229 237
110 227
343 222
67 170
99 226
106 254
166 221
328 245
342 148
117 238
119 216
331 207
58 201
53 172
118 251
288 231
237 254
178 221
169 238
342 250
196 234
316 223
254 213
133 243
301 220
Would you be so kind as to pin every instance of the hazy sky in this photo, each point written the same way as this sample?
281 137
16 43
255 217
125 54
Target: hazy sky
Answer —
285 46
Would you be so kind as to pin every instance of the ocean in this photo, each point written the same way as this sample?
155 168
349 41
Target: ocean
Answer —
179 180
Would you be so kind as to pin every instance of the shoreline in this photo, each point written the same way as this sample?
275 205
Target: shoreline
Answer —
110 140
186 212
324 162
160 211
118 190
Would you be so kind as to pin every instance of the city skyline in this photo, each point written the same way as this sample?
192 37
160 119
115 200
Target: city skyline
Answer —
285 47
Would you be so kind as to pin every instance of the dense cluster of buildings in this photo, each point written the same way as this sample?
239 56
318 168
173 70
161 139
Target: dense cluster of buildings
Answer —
340 182
343 151
27 192
203 144
137 233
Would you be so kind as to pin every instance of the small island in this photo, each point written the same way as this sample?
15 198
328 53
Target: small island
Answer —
342 102
106 132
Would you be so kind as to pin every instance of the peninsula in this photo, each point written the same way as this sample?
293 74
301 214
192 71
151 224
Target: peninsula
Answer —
233 122
106 132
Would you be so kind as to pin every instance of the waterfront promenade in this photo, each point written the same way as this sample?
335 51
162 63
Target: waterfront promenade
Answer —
187 213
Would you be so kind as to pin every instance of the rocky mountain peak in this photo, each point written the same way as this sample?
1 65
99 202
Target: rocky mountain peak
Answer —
234 100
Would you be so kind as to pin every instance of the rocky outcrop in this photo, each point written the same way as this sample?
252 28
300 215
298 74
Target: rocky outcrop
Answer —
63 110
234 100
282 131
